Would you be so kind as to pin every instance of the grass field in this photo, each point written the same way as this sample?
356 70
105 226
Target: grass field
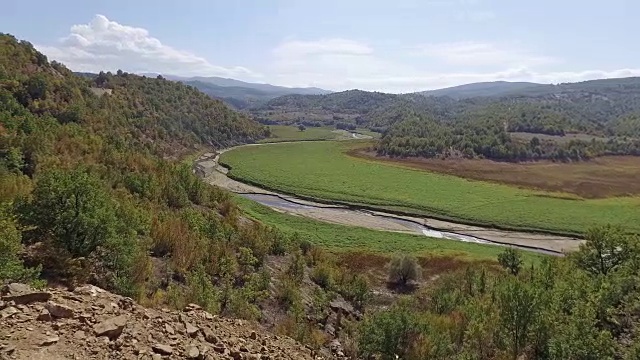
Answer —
323 170
339 238
281 133
603 177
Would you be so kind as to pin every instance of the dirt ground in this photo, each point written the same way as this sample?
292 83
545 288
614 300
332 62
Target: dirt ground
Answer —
603 177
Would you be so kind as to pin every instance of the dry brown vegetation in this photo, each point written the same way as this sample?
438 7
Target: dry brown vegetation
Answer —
604 177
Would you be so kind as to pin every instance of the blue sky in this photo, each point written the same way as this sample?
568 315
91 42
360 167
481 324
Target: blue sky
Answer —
394 46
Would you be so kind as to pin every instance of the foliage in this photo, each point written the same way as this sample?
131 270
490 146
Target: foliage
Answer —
510 259
479 125
12 268
88 168
404 269
557 310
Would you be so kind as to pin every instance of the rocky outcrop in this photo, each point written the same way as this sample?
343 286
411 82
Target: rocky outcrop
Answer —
90 323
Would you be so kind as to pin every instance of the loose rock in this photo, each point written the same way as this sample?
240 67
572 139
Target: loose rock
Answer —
111 328
50 341
59 310
44 315
162 349
193 352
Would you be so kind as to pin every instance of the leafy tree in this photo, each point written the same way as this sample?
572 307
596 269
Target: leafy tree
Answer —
403 269
71 208
389 333
511 260
606 249
302 127
518 310
11 266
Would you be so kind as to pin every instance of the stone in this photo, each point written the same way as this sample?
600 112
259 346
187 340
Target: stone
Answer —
8 312
209 336
219 348
80 335
111 328
22 294
88 290
9 350
340 304
191 307
253 335
16 288
58 310
156 357
236 355
169 330
193 352
50 341
190 329
162 349
44 315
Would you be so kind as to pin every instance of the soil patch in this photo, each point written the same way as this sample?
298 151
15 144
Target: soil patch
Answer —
604 177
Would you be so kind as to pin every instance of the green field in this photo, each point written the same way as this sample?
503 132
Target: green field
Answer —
281 133
322 170
347 238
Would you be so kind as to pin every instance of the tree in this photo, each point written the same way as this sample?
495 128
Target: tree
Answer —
389 332
402 269
302 127
511 260
518 310
11 266
606 248
72 209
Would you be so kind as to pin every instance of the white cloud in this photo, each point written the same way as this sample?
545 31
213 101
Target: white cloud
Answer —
480 53
340 64
103 44
331 63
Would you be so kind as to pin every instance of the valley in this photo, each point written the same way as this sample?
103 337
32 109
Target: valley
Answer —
336 176
146 218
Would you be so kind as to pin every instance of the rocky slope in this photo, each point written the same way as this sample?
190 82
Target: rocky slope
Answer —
91 323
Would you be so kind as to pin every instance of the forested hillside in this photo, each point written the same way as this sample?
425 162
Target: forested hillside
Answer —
603 113
87 195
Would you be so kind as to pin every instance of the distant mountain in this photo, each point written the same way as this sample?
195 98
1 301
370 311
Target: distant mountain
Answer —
240 94
494 88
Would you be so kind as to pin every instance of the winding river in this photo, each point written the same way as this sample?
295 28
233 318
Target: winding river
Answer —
211 171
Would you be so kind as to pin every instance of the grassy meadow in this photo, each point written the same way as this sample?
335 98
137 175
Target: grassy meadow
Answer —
323 170
340 238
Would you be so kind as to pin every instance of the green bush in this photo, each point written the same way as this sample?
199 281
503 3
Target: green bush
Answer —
403 269
11 267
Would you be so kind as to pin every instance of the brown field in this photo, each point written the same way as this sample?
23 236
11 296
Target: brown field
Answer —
603 177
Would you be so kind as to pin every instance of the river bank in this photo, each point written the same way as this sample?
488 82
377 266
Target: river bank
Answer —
213 173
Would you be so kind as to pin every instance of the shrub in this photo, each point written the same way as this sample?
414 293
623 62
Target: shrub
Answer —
11 266
324 275
295 269
403 269
511 260
355 288
288 293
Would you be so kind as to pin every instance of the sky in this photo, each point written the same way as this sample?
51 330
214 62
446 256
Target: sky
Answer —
392 46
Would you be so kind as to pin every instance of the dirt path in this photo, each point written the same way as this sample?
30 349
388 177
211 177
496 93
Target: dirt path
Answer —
215 174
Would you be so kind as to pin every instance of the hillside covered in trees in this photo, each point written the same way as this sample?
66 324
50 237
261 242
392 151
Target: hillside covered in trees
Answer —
605 111
89 191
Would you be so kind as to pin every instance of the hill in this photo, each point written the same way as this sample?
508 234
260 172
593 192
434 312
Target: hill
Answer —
494 88
90 189
240 94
